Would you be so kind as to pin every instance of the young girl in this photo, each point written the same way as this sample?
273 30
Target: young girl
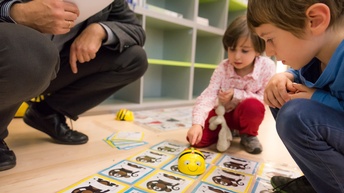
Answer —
238 84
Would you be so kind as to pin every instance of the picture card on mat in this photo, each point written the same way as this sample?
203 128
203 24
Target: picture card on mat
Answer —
162 181
126 171
262 186
151 158
210 156
170 147
204 187
267 170
134 190
238 164
228 179
96 183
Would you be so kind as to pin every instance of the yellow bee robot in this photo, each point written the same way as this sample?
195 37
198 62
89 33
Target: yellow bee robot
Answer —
124 115
191 162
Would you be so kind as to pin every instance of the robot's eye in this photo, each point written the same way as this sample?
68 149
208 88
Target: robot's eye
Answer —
198 163
187 162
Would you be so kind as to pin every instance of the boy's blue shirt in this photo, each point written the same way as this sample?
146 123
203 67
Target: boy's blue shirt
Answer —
329 84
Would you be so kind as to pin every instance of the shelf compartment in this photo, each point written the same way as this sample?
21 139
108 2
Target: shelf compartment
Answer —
129 93
185 8
168 41
215 11
209 30
165 81
201 80
209 48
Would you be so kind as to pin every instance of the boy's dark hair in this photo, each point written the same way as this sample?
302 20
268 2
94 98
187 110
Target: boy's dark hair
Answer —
289 15
237 29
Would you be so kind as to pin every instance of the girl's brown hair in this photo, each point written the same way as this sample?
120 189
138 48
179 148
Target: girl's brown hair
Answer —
237 29
289 15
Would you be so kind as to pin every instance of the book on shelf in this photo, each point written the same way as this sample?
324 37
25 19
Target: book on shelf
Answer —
163 11
134 3
202 21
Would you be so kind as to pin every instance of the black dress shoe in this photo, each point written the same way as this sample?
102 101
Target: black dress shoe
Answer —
55 126
7 157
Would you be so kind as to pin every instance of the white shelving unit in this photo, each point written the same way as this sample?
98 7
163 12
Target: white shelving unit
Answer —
182 53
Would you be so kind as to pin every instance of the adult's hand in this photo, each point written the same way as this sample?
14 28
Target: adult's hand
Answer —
86 45
46 16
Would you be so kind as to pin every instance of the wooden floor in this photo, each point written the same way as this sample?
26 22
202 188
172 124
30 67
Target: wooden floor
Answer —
46 167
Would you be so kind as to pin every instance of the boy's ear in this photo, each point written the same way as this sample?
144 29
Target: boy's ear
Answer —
319 18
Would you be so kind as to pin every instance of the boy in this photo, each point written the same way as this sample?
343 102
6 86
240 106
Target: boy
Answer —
307 100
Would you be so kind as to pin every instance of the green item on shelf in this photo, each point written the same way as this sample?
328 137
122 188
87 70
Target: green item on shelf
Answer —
234 5
237 5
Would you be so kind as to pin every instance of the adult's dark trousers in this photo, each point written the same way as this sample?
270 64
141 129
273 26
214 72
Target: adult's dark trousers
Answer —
73 94
28 62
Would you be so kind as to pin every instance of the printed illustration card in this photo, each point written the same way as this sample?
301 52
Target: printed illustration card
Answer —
173 167
208 188
210 156
262 186
96 183
127 146
267 170
165 119
238 164
151 158
134 190
124 140
162 181
170 147
126 171
126 136
227 179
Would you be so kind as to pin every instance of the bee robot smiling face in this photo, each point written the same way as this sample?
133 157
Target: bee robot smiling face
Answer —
191 162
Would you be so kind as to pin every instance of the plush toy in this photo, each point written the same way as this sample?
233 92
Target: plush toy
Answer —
225 134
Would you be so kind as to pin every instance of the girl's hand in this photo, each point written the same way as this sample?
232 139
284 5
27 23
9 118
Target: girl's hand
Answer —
194 134
225 96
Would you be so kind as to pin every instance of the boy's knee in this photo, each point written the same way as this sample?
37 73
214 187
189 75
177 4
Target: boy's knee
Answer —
289 117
